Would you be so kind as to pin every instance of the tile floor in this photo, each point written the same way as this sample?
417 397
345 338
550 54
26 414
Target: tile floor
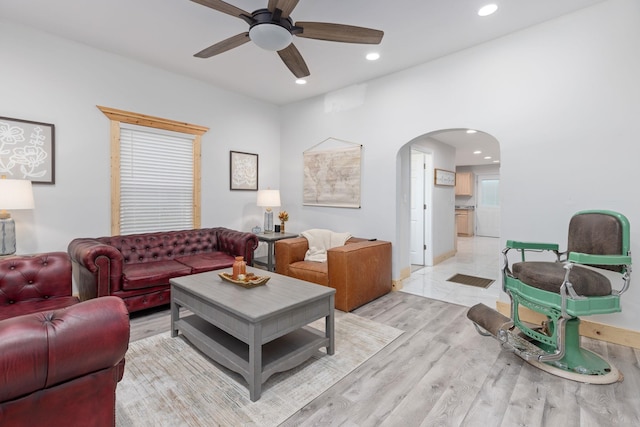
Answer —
477 256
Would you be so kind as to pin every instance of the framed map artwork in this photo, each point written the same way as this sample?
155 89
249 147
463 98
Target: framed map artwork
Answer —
332 175
243 171
27 150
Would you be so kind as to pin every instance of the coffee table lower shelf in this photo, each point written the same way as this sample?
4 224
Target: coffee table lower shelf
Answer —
279 355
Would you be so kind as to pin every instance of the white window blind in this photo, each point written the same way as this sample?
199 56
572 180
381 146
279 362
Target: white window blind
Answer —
156 180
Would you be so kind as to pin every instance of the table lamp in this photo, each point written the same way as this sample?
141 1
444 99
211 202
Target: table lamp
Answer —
14 194
268 199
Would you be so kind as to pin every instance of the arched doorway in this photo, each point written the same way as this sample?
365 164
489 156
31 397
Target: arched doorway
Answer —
471 153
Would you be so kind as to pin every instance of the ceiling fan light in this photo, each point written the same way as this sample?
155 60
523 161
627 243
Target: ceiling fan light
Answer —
270 36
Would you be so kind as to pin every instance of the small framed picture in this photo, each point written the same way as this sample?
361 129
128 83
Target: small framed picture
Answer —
444 177
243 171
27 150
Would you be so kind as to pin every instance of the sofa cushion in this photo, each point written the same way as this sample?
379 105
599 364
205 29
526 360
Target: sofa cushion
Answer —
36 305
150 274
315 272
207 262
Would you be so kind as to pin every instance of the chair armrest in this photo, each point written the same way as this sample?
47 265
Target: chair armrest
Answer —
288 251
581 258
97 267
40 350
514 244
360 272
522 247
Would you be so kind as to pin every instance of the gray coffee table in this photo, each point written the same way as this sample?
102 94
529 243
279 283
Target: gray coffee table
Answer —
256 332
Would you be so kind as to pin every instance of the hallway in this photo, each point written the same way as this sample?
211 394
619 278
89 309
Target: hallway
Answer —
477 256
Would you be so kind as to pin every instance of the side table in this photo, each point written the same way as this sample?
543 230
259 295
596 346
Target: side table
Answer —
270 238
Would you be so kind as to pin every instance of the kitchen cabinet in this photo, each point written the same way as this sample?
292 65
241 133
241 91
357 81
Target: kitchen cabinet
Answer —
464 183
465 222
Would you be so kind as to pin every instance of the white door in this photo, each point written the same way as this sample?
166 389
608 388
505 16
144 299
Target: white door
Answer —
421 184
417 207
488 206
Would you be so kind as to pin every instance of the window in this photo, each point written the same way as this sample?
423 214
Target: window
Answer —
155 173
490 192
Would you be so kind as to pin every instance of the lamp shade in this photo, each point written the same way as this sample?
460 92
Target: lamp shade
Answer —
16 194
268 198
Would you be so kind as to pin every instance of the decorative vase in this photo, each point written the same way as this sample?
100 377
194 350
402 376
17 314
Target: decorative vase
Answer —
282 227
239 267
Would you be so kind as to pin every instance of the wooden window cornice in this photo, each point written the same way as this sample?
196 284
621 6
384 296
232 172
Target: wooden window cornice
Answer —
150 121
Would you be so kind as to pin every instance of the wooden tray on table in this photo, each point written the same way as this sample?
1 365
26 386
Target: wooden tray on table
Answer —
250 280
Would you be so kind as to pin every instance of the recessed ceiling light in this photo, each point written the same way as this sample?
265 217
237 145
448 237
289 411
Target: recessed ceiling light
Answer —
488 9
477 152
471 131
496 161
373 56
301 82
487 157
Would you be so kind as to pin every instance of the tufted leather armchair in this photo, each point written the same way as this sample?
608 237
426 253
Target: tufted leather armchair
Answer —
32 283
359 271
61 367
138 267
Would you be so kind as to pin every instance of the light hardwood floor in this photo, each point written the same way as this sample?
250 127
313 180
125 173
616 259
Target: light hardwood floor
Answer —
440 372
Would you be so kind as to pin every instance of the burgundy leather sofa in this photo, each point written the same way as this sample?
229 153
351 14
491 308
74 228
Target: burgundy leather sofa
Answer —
61 367
32 283
137 267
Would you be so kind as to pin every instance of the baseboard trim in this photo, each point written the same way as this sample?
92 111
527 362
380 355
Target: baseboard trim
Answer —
396 284
598 331
445 256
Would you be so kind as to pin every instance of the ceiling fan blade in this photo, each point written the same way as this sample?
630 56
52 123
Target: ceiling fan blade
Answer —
223 7
224 45
294 62
286 6
339 33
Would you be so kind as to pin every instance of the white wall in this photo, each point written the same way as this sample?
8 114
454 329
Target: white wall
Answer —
562 99
48 79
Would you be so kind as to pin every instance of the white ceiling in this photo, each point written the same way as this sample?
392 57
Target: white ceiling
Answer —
466 146
166 34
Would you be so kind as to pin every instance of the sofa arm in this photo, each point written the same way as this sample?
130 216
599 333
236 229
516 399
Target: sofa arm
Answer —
41 350
288 251
360 272
97 267
237 243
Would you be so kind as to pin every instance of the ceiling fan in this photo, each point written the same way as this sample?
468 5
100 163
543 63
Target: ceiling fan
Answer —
273 29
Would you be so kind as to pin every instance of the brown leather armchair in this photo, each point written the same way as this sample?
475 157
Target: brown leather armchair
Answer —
359 271
61 367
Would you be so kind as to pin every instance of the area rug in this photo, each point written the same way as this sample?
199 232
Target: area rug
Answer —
479 282
167 382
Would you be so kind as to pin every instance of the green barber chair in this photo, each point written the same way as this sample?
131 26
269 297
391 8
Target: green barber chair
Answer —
587 279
